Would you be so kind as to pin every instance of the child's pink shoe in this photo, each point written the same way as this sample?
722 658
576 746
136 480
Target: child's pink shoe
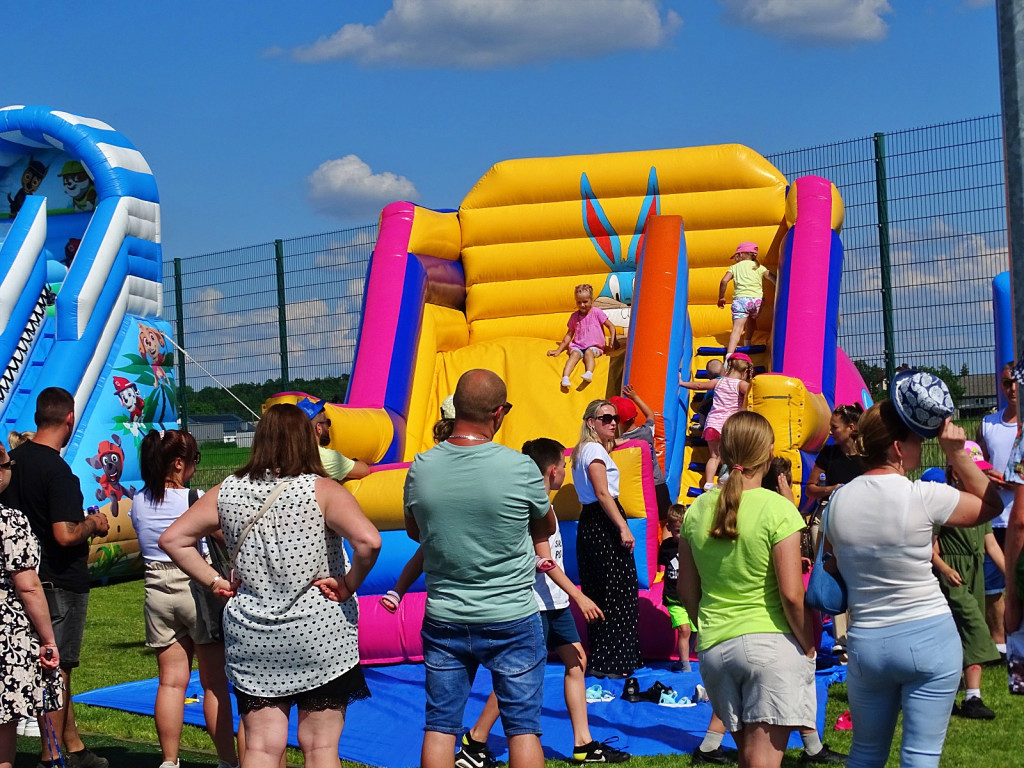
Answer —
391 600
845 722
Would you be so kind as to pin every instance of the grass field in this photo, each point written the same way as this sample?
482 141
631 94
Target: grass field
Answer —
114 653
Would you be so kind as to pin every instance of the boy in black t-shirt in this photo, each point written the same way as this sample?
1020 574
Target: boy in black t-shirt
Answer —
668 556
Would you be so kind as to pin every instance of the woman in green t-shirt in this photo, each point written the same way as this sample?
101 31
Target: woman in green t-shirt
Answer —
739 570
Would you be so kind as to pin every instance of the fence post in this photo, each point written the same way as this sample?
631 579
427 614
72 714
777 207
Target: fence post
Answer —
179 317
882 197
1010 26
282 319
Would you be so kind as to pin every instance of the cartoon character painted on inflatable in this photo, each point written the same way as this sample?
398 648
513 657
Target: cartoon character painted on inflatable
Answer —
78 186
617 292
132 401
31 178
151 347
109 460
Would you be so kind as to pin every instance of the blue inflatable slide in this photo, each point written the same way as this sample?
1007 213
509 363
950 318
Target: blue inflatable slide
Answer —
81 303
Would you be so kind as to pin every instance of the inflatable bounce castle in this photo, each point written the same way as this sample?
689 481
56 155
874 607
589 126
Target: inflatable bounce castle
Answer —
80 303
491 286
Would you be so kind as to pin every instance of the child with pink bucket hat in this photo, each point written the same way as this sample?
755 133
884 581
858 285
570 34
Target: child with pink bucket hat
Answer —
748 274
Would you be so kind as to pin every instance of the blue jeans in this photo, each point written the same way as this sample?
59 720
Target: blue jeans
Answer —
915 666
514 652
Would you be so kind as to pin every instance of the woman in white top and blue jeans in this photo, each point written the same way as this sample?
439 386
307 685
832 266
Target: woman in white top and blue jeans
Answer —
904 650
604 546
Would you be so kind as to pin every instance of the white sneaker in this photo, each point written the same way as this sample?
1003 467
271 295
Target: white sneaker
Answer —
169 764
587 376
565 381
28 726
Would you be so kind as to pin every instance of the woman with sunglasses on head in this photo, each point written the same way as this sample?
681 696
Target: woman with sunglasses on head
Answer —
29 646
604 546
176 627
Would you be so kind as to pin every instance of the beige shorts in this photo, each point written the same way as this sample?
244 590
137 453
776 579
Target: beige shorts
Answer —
760 678
171 609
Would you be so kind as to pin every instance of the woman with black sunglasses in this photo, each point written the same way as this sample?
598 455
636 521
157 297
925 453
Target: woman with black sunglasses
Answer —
604 546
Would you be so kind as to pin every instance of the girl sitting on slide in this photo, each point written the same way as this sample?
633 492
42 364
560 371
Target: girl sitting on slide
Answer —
585 337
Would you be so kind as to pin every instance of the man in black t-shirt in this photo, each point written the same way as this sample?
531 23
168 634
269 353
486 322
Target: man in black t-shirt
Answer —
44 488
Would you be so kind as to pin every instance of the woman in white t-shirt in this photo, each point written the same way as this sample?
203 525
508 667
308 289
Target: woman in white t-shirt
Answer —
904 650
175 629
604 546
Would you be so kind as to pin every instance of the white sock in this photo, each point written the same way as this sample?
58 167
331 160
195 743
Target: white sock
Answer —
812 743
587 376
972 693
1001 647
565 381
712 741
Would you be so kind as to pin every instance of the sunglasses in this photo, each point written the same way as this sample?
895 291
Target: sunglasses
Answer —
608 418
8 464
197 458
506 406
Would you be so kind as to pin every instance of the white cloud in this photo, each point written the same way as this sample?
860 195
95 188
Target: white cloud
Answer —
348 189
814 21
471 34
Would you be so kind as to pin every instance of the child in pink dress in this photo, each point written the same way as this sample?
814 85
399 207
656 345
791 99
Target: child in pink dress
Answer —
730 396
585 337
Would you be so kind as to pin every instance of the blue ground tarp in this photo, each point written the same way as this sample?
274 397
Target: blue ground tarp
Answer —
386 730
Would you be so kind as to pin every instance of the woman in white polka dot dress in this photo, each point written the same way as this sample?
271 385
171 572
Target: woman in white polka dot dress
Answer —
285 642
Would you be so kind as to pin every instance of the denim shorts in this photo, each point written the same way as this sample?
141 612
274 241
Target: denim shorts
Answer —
67 615
514 653
559 628
994 581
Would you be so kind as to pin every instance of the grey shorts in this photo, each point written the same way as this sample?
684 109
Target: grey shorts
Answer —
170 608
760 678
67 615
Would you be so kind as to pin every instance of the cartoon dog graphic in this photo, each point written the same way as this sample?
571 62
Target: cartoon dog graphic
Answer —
31 178
132 401
151 347
78 186
109 460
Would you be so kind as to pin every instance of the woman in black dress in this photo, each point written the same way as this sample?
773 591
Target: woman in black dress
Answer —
604 547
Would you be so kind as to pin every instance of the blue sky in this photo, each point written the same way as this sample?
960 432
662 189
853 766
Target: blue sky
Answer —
264 120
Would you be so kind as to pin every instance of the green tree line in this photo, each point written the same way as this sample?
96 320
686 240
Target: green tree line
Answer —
210 400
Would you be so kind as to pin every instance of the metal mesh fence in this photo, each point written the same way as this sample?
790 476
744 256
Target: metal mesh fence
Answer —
947 232
946 227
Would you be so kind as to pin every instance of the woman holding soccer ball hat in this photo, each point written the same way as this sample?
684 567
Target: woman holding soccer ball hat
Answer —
904 650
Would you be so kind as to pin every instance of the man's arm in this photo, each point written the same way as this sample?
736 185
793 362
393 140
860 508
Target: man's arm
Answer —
359 469
71 534
541 528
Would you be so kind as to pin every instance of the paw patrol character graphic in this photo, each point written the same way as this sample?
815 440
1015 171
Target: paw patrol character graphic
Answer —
31 178
151 347
109 460
132 401
78 186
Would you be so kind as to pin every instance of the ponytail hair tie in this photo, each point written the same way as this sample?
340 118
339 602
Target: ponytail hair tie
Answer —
737 467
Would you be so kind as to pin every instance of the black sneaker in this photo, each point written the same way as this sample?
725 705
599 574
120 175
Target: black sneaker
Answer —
975 709
717 756
654 692
87 759
631 691
471 757
825 756
599 752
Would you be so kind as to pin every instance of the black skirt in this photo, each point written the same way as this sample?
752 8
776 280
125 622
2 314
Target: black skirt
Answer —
608 577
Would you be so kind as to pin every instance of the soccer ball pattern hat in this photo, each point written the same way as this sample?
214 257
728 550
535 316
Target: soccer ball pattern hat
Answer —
922 401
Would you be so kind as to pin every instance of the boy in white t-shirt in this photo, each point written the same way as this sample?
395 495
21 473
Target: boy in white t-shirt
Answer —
552 590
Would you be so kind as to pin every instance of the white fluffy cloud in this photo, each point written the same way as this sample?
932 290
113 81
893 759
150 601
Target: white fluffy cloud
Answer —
348 189
472 34
816 21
